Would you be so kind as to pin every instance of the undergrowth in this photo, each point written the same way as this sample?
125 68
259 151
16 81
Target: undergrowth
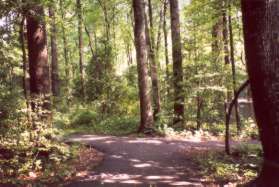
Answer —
241 166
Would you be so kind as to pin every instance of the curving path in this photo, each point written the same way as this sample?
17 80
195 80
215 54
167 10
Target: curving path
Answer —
142 161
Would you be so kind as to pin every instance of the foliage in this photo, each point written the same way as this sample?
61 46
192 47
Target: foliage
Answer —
241 166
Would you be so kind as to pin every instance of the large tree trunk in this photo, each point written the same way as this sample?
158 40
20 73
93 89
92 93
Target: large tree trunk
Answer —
261 31
140 41
153 63
38 62
237 117
177 64
54 58
80 46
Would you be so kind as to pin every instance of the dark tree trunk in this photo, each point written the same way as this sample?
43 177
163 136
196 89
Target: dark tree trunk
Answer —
38 62
140 41
199 110
166 47
54 58
177 65
153 63
237 117
261 33
80 46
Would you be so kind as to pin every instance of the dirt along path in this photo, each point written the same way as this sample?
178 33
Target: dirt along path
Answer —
148 162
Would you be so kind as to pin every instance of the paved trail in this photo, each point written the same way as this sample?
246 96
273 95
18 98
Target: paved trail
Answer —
141 161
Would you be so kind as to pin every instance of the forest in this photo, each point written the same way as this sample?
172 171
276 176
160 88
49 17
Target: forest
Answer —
139 93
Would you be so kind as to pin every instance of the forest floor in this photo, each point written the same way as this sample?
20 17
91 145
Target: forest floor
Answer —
149 161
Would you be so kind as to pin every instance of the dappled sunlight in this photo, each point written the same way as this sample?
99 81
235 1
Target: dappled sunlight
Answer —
155 160
146 141
123 178
156 177
143 165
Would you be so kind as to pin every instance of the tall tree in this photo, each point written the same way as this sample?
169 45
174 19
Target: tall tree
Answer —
140 42
237 117
150 38
38 61
261 28
166 46
24 59
65 47
54 58
177 63
80 46
217 30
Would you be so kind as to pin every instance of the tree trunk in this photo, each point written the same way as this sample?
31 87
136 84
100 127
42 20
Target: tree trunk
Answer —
38 63
25 68
225 33
80 46
217 31
54 58
153 63
65 49
140 41
237 117
261 34
177 65
166 47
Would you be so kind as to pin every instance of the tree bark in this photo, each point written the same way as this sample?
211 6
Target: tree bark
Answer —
140 41
153 63
177 64
80 46
237 117
261 35
54 58
38 62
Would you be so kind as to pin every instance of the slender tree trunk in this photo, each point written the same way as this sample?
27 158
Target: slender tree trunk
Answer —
90 40
38 63
153 63
140 41
54 58
177 64
217 31
24 61
237 117
225 33
199 109
166 47
65 49
25 85
80 46
261 34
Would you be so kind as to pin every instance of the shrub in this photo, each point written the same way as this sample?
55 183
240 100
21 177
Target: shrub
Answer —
83 118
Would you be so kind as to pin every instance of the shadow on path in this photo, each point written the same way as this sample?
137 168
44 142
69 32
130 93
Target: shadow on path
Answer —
142 161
